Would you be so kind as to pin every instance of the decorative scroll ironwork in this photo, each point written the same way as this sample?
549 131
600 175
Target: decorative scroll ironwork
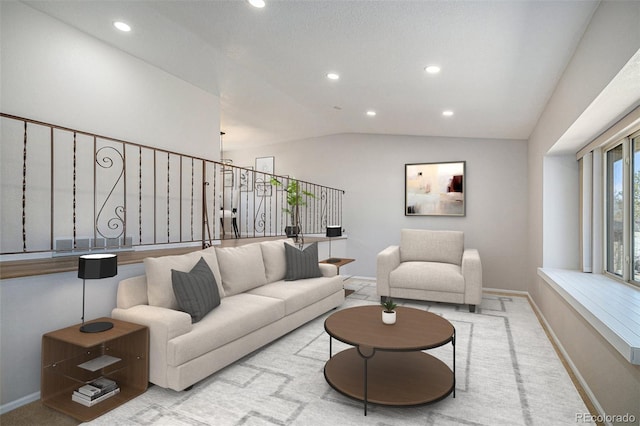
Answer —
24 190
168 197
257 208
116 222
140 194
75 188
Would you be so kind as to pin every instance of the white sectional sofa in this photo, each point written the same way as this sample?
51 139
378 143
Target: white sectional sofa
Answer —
257 305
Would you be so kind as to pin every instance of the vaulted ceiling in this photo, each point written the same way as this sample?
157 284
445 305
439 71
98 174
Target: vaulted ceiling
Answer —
499 60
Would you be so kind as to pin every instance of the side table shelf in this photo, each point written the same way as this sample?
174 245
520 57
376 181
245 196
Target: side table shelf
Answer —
64 350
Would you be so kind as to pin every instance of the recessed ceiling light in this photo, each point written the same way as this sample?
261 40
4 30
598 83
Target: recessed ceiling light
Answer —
432 69
122 26
257 3
371 113
447 113
333 76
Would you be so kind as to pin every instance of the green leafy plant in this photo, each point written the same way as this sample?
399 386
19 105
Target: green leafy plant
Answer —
388 305
296 197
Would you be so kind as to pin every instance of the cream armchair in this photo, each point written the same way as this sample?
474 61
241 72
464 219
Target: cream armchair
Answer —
430 265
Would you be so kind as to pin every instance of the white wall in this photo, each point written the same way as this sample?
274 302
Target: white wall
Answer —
53 73
611 39
370 168
560 206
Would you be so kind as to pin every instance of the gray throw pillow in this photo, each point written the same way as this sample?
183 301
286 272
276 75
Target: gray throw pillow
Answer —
196 290
301 263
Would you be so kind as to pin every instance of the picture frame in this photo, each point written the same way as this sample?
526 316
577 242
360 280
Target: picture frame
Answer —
435 189
265 167
229 177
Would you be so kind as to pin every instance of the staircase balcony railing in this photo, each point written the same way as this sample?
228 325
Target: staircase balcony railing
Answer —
66 191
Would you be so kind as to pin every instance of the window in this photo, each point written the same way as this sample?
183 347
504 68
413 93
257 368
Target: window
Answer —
622 187
615 210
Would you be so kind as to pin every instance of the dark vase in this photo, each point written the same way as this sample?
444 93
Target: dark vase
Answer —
292 231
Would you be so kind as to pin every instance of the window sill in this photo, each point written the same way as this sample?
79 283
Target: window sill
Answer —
611 307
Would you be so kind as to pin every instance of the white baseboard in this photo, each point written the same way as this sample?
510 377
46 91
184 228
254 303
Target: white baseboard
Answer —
501 290
5 408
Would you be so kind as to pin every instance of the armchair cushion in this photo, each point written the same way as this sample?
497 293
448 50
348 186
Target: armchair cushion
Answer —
432 275
431 246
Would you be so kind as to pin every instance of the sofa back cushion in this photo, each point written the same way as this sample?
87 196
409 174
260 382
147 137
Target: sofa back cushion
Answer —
275 262
431 246
158 272
241 268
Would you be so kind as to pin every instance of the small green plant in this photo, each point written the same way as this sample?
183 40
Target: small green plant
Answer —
296 197
388 305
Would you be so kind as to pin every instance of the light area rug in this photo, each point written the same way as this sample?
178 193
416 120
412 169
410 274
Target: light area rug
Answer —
507 373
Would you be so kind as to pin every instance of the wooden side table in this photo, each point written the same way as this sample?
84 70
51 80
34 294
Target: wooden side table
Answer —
64 350
338 261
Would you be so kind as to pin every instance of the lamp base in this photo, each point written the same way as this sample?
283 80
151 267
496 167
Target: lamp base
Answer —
96 327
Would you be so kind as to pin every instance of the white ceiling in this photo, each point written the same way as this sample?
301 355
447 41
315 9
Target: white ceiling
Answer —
500 61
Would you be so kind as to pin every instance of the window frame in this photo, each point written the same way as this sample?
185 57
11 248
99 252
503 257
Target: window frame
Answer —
628 241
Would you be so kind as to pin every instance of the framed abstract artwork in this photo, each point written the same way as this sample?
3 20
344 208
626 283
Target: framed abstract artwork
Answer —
435 189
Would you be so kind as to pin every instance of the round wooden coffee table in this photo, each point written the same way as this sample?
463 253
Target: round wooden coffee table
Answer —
386 365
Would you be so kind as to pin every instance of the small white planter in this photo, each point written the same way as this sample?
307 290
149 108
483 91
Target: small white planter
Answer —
389 317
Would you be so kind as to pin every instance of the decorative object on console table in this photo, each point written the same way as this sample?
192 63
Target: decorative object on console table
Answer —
96 266
296 197
333 231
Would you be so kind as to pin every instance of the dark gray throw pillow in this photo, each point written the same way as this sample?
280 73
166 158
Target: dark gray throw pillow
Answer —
196 290
301 263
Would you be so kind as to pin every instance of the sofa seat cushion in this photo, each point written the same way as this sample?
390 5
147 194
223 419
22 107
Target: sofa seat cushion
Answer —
431 276
235 317
302 293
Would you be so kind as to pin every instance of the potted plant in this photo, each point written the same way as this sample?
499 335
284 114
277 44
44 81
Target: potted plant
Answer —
389 313
296 197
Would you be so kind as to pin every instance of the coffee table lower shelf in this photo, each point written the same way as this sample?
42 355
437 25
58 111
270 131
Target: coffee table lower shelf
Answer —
393 378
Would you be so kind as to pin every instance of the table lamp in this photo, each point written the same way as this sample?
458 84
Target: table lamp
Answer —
95 267
332 232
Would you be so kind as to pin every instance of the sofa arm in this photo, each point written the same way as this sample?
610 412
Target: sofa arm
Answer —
472 273
328 270
164 324
387 260
132 291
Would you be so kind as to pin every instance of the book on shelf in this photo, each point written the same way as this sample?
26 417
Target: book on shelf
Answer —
105 385
95 391
88 402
